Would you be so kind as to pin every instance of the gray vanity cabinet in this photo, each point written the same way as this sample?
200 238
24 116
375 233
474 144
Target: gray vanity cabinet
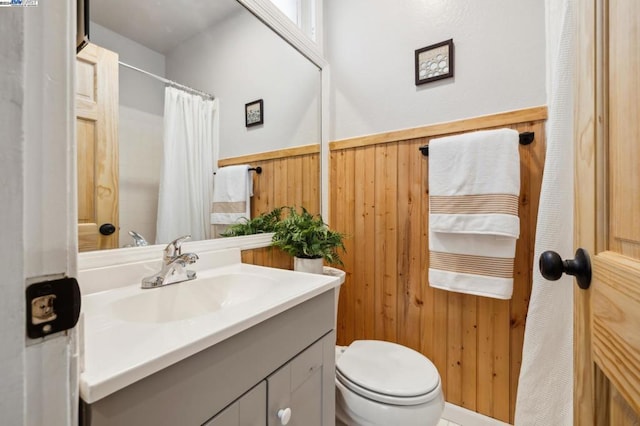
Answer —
298 387
249 410
287 361
296 394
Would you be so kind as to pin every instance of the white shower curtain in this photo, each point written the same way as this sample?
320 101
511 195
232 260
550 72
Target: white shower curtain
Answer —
186 179
545 388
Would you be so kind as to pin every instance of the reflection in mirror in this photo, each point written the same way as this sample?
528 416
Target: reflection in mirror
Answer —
218 48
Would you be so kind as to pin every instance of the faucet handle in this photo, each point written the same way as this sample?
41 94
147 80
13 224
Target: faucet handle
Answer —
173 249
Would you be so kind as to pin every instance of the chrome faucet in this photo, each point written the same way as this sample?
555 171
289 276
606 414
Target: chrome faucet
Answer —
138 240
173 266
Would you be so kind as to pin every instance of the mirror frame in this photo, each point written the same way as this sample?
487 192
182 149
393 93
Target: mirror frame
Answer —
271 16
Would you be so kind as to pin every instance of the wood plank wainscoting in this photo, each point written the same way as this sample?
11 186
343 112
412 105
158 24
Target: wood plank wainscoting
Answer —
379 198
290 177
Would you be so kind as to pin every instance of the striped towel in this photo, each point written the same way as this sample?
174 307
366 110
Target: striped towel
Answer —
232 189
474 186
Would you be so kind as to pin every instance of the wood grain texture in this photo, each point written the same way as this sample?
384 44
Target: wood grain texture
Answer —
290 178
585 210
268 256
616 321
97 146
606 364
624 128
475 342
271 155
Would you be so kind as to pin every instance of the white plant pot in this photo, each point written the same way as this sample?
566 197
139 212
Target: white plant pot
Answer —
313 266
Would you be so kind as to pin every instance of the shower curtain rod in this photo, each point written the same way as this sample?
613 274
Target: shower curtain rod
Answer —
170 82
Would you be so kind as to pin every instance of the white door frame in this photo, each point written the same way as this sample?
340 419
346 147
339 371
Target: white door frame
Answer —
37 215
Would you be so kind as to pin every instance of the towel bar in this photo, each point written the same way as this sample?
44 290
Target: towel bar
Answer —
525 139
258 170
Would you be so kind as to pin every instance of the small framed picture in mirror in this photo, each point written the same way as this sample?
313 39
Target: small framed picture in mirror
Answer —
434 62
254 113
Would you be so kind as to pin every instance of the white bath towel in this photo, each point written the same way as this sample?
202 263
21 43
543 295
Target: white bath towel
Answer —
232 191
474 185
474 264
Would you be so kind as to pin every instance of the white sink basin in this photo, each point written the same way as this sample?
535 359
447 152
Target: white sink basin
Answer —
190 299
131 333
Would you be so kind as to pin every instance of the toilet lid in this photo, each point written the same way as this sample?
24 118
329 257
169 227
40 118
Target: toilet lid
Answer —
387 370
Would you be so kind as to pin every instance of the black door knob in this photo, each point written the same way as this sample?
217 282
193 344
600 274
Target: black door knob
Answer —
107 229
552 267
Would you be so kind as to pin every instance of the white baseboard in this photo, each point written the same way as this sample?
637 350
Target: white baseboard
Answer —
464 417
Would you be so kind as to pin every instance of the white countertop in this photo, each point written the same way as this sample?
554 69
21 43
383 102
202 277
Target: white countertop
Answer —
118 353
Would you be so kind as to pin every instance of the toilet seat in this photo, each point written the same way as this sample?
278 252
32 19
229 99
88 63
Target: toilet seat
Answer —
388 373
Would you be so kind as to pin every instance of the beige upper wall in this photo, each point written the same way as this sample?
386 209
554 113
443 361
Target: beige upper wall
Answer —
370 44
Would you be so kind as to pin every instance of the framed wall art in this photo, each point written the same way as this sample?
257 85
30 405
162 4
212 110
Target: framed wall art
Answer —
254 113
434 62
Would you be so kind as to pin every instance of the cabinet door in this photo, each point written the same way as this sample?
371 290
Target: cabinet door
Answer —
249 410
303 386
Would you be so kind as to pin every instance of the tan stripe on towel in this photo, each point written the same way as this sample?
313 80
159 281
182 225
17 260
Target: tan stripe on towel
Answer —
229 207
469 264
474 204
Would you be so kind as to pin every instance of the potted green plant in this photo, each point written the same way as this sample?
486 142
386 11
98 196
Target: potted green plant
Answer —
261 224
306 237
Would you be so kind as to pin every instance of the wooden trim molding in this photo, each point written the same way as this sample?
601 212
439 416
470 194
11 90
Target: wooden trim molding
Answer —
439 129
271 155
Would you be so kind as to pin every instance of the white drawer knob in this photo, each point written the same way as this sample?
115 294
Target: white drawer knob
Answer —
284 415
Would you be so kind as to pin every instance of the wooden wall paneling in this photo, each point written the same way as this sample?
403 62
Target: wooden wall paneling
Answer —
403 239
502 360
475 342
358 239
427 314
486 319
408 259
338 190
469 351
379 242
414 296
289 177
454 348
368 246
267 256
351 254
280 184
390 278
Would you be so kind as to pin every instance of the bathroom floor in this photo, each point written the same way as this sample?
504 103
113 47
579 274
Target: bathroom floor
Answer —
454 415
444 422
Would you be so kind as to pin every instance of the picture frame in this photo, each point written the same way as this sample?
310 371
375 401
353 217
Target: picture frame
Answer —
434 62
254 113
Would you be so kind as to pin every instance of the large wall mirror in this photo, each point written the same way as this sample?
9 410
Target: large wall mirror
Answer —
218 48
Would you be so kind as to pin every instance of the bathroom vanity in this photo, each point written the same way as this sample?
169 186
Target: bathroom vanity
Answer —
256 358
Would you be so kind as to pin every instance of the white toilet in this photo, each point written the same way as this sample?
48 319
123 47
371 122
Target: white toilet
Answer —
383 383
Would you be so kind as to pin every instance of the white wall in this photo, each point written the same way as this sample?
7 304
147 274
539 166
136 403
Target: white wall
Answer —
370 44
242 60
140 132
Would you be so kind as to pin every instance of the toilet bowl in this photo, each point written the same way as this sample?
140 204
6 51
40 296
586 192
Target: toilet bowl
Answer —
383 383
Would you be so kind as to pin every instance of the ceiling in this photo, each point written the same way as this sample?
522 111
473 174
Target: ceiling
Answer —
161 25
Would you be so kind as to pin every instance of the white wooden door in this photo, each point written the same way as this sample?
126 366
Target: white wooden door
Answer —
607 193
